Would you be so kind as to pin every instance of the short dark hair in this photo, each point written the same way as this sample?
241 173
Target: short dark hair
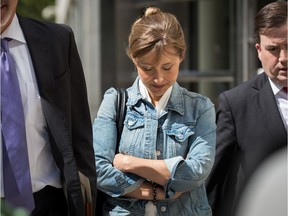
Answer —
272 15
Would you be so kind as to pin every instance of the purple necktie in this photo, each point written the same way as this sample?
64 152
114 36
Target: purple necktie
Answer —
16 173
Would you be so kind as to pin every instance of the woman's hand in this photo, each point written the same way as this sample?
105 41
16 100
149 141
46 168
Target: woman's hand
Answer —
121 162
151 169
145 192
176 195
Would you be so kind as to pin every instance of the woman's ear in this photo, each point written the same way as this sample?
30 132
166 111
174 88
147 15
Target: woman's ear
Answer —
182 57
133 60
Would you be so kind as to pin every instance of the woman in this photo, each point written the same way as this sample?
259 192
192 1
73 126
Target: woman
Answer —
168 142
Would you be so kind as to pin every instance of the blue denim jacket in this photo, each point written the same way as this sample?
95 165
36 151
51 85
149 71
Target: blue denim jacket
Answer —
183 136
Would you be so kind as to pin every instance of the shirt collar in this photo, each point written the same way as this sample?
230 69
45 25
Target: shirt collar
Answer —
14 31
163 100
276 88
143 91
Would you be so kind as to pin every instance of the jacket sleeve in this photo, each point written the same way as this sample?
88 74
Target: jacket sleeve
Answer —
81 120
109 179
219 183
191 172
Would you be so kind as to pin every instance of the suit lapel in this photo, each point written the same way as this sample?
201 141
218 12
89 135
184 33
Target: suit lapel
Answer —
40 54
266 104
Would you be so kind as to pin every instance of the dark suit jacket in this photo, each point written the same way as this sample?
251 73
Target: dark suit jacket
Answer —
249 129
62 87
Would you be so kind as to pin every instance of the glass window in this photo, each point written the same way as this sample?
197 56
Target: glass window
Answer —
207 26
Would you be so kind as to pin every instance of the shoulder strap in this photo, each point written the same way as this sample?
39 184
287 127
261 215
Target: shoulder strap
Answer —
120 112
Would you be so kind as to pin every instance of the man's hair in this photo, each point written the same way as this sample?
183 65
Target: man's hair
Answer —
272 15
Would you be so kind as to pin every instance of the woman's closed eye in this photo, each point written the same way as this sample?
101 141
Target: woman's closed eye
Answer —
147 68
166 68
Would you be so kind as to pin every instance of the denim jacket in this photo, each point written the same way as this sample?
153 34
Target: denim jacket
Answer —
183 136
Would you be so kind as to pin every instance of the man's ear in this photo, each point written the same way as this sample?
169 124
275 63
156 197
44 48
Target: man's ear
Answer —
259 50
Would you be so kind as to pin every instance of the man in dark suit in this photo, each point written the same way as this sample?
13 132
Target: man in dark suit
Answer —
252 118
57 117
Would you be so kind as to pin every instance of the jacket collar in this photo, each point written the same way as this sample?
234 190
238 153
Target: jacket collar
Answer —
175 103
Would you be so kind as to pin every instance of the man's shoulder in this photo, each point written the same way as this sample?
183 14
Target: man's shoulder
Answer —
42 25
248 87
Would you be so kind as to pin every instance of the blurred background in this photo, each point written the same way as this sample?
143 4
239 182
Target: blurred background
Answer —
219 35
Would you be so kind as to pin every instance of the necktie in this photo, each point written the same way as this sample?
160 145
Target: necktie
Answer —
285 89
16 174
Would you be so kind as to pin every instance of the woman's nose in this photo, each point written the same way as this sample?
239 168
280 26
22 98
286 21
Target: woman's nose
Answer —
158 76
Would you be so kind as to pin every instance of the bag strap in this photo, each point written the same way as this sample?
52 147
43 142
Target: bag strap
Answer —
120 112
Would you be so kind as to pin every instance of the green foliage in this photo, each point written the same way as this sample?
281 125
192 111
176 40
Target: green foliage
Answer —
33 8
7 210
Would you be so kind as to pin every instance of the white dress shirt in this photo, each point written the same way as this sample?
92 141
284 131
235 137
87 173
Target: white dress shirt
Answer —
281 100
163 100
42 166
150 208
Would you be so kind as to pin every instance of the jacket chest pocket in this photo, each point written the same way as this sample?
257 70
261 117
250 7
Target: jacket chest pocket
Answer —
133 133
178 135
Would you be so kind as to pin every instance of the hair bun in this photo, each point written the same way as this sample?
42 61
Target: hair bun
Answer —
151 11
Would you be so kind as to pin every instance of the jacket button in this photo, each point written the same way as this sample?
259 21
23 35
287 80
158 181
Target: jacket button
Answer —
163 208
158 153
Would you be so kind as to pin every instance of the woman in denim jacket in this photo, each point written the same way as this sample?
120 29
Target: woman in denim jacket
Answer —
168 142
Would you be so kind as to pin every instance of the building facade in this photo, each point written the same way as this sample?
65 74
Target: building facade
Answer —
219 35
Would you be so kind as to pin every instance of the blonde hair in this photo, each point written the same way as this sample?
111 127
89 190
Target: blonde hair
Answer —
155 29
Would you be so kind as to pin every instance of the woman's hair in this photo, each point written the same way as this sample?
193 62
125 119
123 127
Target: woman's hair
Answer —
271 16
155 30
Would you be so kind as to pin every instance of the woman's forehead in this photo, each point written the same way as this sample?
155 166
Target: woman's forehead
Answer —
167 54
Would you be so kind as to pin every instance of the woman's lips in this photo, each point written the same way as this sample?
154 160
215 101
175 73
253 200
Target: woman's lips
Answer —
158 87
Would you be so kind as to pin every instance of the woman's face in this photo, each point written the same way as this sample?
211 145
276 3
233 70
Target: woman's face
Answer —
160 76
